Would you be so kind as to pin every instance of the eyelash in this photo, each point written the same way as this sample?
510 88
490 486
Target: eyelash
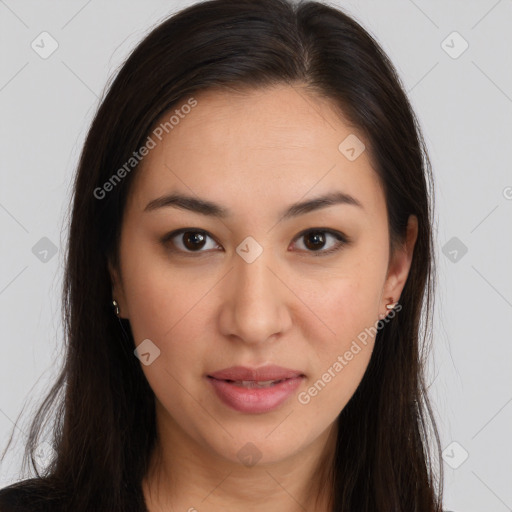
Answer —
343 240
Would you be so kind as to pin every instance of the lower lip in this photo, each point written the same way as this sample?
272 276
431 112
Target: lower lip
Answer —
255 400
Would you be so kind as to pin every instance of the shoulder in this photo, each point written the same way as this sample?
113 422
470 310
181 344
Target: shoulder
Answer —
24 496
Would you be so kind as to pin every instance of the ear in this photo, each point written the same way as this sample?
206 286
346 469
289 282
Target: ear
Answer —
399 266
117 288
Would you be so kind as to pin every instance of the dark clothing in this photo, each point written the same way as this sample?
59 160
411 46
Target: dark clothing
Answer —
22 497
37 495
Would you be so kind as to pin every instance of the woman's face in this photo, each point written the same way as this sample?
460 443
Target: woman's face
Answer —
251 287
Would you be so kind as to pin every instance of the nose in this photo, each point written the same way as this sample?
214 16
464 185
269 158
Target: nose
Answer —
254 306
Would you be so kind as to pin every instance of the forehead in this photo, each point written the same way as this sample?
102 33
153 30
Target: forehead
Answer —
271 145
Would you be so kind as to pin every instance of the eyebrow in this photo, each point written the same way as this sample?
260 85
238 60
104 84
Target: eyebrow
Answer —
206 207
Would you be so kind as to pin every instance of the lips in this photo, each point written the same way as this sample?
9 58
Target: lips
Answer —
262 374
255 390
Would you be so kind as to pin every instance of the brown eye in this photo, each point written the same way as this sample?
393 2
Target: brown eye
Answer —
193 240
189 241
315 240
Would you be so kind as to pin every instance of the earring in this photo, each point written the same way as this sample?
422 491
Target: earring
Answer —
389 307
116 306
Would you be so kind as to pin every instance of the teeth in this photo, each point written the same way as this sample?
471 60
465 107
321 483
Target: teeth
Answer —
255 384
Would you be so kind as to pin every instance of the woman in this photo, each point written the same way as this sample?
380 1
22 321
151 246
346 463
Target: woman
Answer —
250 257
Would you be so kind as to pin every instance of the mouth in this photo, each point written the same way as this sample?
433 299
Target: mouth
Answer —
263 374
252 384
255 390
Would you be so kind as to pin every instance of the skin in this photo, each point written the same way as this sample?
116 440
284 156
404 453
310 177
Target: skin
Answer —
255 153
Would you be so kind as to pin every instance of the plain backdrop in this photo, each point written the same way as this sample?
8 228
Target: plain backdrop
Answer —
455 62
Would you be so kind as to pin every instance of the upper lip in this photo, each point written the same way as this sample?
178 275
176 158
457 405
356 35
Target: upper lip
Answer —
263 373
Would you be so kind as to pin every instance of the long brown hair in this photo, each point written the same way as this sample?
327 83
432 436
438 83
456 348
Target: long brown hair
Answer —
101 405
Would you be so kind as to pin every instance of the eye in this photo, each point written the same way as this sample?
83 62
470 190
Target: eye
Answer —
316 239
188 240
191 240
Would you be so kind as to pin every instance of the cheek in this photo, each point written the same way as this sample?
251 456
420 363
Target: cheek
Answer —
348 301
342 355
348 307
160 297
171 307
167 310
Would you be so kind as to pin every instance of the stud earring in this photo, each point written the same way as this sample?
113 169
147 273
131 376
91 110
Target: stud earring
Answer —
389 307
116 306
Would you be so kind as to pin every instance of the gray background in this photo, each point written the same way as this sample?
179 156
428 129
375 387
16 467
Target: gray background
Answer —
464 105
